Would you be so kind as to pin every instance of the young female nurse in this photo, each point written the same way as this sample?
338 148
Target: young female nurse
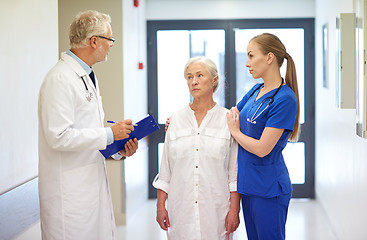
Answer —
262 122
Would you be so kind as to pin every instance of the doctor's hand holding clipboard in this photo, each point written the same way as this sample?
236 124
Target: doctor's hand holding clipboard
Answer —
121 130
128 145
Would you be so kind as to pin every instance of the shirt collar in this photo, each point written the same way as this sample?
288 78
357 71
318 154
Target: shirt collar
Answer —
210 111
85 66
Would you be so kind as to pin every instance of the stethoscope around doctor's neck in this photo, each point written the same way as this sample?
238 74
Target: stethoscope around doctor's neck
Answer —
88 93
254 116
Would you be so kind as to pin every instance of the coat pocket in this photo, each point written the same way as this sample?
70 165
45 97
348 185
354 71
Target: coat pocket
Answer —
80 188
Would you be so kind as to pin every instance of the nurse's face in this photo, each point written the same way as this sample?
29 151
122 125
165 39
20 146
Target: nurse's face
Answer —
199 80
257 61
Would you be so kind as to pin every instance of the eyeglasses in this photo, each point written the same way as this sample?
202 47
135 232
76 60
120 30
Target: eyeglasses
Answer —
112 40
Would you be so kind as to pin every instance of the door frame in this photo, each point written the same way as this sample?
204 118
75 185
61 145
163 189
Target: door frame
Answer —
307 135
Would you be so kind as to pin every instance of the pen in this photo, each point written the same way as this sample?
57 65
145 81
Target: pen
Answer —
115 122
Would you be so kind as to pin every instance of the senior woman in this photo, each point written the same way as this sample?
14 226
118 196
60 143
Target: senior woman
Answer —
198 171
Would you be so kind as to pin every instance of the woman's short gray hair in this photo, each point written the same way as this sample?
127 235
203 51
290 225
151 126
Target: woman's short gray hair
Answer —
210 65
86 25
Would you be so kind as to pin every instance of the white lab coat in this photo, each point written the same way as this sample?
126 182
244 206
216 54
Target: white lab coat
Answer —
198 171
75 199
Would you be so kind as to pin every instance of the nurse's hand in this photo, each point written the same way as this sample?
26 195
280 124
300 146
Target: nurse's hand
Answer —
233 120
122 129
130 148
162 217
235 109
232 221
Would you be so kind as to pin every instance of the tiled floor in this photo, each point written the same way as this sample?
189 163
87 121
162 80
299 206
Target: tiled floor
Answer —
306 221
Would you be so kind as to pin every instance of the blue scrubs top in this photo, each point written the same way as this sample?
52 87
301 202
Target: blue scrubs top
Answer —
268 176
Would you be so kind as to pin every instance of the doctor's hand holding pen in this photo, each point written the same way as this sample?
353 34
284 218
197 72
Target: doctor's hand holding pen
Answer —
122 129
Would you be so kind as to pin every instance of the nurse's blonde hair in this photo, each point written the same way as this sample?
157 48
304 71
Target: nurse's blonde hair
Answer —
86 25
210 65
271 43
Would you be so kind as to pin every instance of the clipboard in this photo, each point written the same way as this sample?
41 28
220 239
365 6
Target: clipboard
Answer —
143 128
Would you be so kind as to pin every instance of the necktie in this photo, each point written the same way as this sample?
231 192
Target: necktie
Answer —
91 75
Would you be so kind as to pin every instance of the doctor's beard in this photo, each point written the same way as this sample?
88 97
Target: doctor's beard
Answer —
101 55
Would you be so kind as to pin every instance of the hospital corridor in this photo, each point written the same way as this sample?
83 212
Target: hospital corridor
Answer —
306 221
139 71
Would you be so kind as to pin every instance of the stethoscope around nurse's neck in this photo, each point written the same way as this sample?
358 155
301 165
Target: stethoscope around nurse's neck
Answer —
254 116
88 93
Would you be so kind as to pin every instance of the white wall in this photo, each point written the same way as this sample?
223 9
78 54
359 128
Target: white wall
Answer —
229 9
28 49
341 156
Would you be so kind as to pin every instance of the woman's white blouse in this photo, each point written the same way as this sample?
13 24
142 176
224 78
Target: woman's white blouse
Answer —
198 171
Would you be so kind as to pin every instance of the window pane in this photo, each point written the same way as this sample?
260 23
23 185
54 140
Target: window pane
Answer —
175 47
294 157
173 52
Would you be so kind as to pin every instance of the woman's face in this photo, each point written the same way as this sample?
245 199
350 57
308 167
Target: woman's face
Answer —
257 61
199 80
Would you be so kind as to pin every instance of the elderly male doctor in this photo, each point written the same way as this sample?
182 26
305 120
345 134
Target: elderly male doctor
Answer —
75 198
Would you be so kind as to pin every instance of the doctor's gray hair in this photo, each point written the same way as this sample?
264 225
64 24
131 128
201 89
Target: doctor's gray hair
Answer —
210 65
86 25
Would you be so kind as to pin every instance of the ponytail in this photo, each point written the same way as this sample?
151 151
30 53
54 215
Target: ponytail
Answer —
291 80
271 43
